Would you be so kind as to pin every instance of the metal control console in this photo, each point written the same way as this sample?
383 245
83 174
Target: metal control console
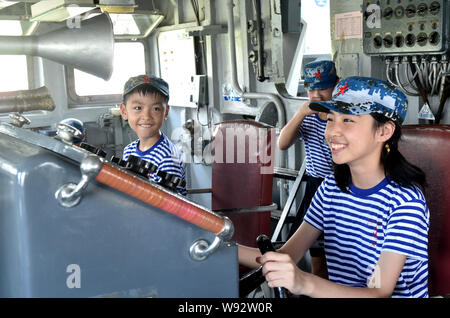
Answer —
402 27
106 244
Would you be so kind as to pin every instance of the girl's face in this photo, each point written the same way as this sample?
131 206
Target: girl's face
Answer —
354 140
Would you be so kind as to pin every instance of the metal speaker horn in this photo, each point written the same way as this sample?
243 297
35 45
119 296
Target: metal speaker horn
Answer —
87 46
26 100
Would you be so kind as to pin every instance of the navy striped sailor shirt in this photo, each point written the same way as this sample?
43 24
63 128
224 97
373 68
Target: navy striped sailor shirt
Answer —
361 224
163 154
318 154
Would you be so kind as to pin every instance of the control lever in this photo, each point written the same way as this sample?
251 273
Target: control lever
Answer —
265 245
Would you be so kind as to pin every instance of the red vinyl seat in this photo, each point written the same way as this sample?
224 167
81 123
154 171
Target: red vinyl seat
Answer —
428 147
242 176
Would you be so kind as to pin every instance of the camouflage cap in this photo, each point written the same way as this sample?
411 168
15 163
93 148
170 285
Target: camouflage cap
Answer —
320 75
364 95
153 81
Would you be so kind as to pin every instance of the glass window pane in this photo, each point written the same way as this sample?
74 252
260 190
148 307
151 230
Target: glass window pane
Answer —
317 16
14 73
13 67
129 60
10 27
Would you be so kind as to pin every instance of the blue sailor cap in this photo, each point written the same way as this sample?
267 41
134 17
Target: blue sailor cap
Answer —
320 75
364 95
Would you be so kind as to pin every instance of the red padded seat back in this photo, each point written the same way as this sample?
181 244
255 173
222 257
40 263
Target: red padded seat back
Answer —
242 175
428 147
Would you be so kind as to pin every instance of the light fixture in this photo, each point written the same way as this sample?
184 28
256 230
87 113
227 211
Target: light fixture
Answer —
59 10
136 25
117 6
128 23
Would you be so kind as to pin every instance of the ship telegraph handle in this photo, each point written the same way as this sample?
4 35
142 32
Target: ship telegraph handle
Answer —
144 191
201 248
69 194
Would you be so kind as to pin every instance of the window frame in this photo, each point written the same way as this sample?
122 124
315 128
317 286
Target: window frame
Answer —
311 56
75 100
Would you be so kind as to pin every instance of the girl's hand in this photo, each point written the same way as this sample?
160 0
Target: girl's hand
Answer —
281 271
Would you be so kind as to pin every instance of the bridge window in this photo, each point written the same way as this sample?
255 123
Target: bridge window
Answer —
84 88
13 67
317 16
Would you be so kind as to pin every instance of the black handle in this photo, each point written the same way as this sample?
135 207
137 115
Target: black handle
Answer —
265 245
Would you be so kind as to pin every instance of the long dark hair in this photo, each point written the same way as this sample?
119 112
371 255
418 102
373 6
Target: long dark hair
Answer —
396 167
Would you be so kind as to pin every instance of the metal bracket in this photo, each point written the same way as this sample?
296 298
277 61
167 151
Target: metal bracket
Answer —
201 249
69 194
19 120
206 30
260 208
68 133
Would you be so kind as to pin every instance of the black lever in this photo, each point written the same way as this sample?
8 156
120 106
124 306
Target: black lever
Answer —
265 245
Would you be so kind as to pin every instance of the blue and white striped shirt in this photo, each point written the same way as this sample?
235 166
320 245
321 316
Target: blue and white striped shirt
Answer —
318 154
359 225
163 154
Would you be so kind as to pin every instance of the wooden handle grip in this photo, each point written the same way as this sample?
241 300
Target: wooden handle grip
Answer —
141 190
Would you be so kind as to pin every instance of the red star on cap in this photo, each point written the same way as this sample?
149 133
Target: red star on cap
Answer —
318 75
146 79
343 89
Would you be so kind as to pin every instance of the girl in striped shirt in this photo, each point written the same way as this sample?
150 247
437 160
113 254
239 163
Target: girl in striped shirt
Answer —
371 210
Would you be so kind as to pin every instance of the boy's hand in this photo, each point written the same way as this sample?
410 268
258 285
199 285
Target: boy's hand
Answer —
290 131
305 110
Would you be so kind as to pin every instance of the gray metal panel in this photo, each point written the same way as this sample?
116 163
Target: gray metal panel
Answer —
122 246
349 65
409 27
291 16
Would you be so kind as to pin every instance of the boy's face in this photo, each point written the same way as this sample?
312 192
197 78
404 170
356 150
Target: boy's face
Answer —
145 115
320 94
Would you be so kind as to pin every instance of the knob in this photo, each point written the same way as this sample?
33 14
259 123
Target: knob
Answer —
120 162
99 152
140 166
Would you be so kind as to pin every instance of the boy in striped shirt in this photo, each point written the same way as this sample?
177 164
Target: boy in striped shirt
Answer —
145 106
309 126
371 210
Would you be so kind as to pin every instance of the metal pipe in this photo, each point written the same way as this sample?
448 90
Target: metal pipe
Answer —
429 78
404 62
424 69
26 100
410 81
437 73
431 74
419 72
388 66
397 77
234 80
443 96
252 95
260 41
12 45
